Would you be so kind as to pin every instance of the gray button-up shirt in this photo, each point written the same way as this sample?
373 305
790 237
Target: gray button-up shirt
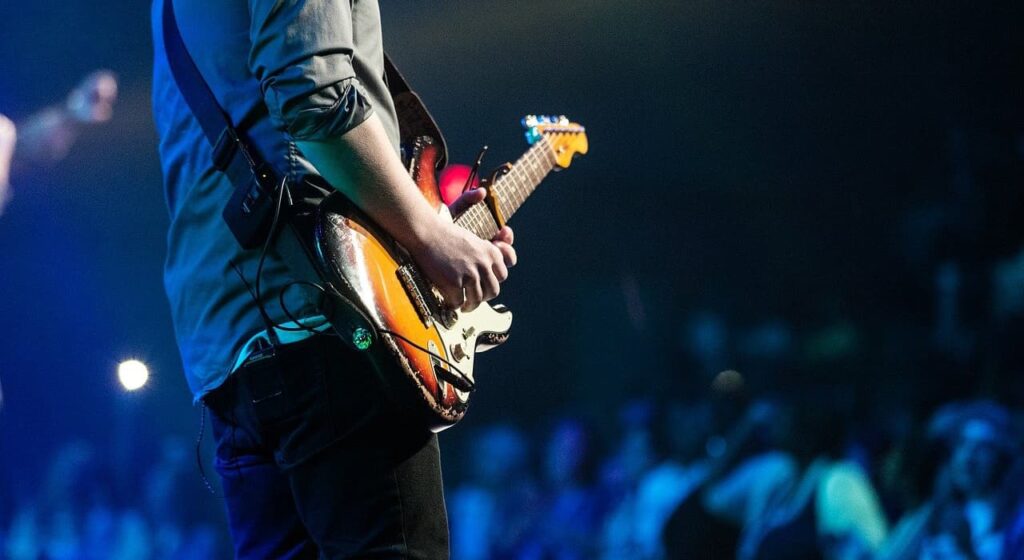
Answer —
283 70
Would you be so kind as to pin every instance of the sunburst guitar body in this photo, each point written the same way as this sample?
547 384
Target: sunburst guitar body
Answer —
425 349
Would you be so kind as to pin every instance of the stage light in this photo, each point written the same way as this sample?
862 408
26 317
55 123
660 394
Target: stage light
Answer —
133 374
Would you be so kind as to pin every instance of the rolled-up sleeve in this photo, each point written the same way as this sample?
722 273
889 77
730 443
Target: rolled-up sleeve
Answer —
302 55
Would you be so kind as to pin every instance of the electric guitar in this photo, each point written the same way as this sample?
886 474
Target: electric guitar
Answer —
424 349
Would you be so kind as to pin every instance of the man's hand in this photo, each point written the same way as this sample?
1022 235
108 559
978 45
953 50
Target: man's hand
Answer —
502 240
93 100
48 135
466 269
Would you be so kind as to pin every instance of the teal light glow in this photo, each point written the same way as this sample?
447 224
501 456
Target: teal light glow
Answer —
362 338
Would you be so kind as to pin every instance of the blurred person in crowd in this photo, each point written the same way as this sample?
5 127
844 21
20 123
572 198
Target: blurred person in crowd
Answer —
1013 542
490 513
910 476
49 527
740 470
47 135
73 516
76 516
178 508
822 505
681 431
974 501
570 507
622 533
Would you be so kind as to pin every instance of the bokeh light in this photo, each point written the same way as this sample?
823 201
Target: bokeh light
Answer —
132 374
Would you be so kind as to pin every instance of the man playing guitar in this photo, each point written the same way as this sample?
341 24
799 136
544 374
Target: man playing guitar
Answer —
314 457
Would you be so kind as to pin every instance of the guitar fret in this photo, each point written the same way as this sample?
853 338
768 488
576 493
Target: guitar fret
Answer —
488 229
477 219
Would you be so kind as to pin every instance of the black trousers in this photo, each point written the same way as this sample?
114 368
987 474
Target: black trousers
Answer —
317 462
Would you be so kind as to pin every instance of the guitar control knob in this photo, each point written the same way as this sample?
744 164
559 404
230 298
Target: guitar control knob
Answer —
458 352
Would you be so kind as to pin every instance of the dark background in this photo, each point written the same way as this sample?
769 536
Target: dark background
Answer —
804 164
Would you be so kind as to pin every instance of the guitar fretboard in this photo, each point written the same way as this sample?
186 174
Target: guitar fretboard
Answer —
511 189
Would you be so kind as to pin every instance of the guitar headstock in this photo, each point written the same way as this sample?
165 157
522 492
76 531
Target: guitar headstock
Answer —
566 139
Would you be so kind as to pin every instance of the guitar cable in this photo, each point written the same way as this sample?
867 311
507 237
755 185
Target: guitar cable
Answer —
474 172
461 379
458 377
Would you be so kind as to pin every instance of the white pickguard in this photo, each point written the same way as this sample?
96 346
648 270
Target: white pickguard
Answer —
462 340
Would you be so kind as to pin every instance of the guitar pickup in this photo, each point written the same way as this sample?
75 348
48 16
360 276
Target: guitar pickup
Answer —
426 299
407 276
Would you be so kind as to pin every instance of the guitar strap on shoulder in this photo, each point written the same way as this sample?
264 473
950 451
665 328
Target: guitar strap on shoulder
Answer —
250 210
414 120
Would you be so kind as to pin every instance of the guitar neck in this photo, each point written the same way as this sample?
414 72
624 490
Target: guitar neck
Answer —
511 189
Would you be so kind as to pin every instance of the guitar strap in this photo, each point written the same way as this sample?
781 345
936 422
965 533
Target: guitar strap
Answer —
250 211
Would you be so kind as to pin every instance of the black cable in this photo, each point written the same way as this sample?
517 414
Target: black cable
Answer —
238 271
469 384
474 172
271 334
461 376
292 318
199 454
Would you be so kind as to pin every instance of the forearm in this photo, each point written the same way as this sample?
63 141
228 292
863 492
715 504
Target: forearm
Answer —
363 165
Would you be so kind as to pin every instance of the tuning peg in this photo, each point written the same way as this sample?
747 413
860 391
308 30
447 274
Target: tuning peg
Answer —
529 121
563 120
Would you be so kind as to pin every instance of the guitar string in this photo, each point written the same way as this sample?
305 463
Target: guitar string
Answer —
524 189
514 198
522 180
517 193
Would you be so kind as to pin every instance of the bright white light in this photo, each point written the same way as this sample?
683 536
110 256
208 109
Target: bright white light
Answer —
133 374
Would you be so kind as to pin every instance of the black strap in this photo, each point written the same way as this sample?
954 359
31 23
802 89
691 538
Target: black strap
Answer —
395 80
414 120
249 213
225 139
250 210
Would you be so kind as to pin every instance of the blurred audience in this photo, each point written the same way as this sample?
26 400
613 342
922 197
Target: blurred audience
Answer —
570 507
491 511
797 458
710 478
78 514
783 481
